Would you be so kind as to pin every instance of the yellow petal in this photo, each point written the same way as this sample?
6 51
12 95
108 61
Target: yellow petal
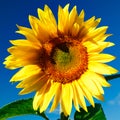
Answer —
66 18
101 79
27 30
75 30
26 72
99 32
101 68
37 85
79 95
39 29
23 42
23 55
93 82
30 80
95 57
39 96
91 23
12 62
98 85
63 17
86 92
66 100
75 98
34 22
99 47
72 17
29 34
48 95
101 37
23 50
81 17
97 38
99 97
47 20
87 80
57 97
50 15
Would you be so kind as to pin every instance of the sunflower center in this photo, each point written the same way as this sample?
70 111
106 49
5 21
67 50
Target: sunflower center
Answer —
61 56
68 60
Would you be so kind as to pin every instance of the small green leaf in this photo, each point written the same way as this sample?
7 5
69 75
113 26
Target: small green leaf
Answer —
18 108
92 114
110 77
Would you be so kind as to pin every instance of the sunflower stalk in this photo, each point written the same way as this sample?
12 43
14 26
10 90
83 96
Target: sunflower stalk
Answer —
63 117
42 114
111 77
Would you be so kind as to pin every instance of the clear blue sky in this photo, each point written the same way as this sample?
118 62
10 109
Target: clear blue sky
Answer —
14 12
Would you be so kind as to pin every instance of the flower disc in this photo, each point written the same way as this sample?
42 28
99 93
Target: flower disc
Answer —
67 60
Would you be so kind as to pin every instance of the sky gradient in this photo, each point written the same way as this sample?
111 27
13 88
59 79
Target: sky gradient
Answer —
14 12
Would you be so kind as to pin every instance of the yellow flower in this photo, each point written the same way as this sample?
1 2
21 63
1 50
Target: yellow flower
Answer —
61 61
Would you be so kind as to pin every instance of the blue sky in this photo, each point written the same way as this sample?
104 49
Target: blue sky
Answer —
14 12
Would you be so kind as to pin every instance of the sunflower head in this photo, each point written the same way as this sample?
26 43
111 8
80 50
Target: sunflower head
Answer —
66 59
62 61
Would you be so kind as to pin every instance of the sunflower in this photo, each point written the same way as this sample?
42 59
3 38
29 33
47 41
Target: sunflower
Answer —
61 61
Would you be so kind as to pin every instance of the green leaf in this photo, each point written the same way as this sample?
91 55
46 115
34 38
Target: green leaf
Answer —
18 108
110 77
92 114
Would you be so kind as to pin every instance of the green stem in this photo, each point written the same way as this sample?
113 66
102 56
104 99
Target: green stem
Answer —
63 117
110 77
42 114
